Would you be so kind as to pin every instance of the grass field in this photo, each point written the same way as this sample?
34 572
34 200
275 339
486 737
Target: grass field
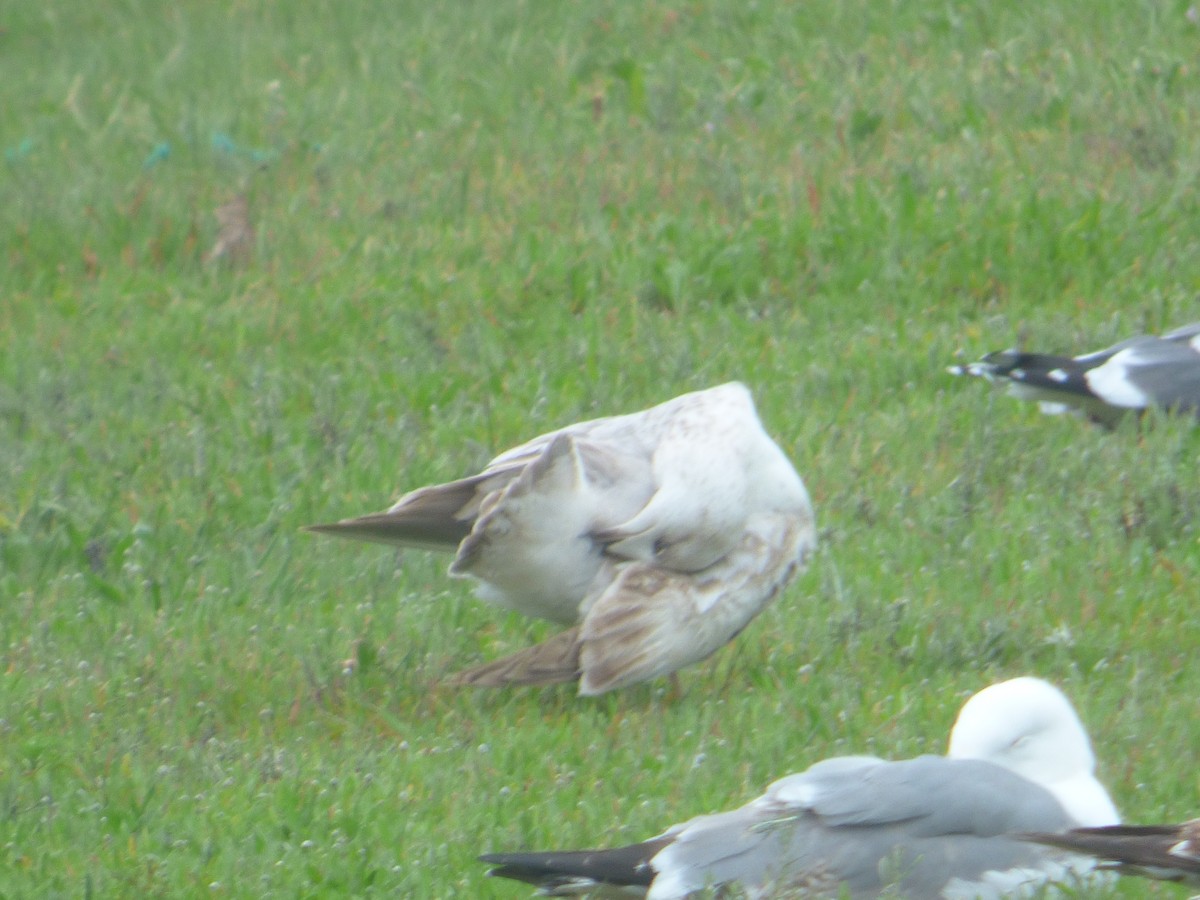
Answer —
476 221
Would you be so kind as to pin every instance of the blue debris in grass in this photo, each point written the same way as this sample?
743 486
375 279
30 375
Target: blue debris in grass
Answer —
18 152
160 153
225 145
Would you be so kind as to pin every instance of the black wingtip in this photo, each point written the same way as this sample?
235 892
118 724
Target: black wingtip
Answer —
627 866
501 869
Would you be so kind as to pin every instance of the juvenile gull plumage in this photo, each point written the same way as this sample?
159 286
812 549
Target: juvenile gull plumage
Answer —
655 536
1165 852
857 826
1135 375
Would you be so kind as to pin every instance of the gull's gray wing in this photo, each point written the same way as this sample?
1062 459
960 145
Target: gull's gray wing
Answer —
929 825
1187 333
1154 372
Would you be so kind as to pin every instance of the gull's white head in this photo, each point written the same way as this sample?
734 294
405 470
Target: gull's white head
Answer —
1029 726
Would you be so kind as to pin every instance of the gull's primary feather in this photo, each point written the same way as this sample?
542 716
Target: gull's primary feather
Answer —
1164 852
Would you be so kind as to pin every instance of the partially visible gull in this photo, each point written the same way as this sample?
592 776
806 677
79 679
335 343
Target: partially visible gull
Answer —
857 826
1135 375
655 536
1165 852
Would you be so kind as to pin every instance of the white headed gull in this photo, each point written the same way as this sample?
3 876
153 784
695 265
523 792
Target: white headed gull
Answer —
1165 852
656 536
1134 375
860 827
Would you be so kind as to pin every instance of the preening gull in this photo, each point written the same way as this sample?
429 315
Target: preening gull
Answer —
861 827
655 536
1135 375
1165 852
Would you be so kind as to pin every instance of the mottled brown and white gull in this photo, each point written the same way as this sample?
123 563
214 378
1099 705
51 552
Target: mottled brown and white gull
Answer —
655 537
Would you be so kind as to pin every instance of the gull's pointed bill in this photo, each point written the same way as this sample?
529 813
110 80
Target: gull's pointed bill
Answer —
929 828
654 536
1165 852
1138 374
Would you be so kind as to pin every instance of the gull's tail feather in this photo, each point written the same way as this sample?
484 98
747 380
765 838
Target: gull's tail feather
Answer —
1166 852
433 518
553 661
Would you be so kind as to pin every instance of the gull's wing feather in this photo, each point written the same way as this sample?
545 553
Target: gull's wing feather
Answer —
440 516
553 661
1186 333
1153 373
432 518
712 465
648 621
860 823
701 500
532 547
437 517
651 621
573 873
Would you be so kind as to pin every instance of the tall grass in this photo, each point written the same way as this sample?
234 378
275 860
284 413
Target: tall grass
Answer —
477 221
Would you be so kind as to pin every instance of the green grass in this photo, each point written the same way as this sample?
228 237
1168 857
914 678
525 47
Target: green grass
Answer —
477 221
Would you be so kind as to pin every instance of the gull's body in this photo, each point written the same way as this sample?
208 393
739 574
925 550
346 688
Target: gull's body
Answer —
931 828
1165 852
657 536
1137 374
